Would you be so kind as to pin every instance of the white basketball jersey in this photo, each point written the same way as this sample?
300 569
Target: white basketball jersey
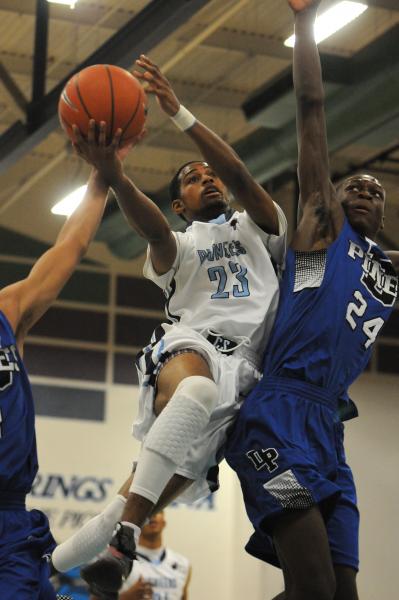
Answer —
223 279
166 570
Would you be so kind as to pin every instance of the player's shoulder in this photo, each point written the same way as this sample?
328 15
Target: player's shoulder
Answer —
10 306
183 238
246 222
180 560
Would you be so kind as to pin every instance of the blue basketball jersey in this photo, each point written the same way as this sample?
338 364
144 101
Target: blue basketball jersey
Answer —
333 303
18 455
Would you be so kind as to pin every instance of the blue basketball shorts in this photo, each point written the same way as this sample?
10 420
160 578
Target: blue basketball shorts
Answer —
25 539
287 450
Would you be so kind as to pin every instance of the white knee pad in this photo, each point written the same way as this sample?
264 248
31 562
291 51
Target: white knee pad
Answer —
183 419
202 389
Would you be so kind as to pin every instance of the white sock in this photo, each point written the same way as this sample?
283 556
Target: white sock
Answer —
169 439
90 540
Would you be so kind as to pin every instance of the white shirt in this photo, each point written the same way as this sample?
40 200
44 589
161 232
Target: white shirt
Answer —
166 570
223 278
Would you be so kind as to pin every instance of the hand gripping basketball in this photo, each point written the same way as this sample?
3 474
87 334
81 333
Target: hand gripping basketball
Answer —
106 158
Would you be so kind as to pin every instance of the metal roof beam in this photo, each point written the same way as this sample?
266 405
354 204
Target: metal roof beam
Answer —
352 111
40 52
144 31
16 98
243 41
387 4
83 14
336 70
188 89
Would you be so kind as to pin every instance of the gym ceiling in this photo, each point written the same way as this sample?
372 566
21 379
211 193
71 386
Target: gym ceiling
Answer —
228 64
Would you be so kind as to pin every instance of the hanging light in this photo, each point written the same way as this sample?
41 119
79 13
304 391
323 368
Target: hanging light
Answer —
67 205
334 19
70 3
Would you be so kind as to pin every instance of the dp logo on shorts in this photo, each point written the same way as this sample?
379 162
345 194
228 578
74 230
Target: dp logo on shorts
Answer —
264 458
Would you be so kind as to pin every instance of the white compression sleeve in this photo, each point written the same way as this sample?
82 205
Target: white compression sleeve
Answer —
90 540
169 439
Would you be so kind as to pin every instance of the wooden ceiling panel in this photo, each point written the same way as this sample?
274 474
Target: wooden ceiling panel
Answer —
219 57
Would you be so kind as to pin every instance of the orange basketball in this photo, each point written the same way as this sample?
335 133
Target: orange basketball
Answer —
103 93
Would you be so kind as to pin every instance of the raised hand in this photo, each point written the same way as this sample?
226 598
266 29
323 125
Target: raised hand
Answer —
157 84
301 5
106 158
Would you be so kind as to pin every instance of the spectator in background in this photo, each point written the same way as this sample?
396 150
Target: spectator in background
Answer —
159 573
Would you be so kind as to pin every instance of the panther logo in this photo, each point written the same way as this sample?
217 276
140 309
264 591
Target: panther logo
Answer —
379 276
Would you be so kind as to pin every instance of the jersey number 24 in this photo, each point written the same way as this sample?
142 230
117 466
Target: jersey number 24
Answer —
370 327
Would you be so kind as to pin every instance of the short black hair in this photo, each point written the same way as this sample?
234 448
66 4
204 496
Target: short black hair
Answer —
174 185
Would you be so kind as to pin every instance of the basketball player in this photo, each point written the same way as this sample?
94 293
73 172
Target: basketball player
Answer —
25 536
337 292
221 291
159 571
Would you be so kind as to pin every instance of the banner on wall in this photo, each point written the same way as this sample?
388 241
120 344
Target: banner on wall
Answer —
82 465
70 501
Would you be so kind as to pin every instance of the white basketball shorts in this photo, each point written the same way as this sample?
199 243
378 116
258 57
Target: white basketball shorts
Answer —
235 375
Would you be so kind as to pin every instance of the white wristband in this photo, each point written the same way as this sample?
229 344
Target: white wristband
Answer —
183 119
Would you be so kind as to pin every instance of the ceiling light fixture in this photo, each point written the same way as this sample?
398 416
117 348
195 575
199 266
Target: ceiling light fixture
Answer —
332 20
70 202
70 3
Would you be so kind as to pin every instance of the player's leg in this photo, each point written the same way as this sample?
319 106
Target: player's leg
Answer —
47 591
94 536
25 544
302 545
186 396
175 486
91 539
25 576
343 529
346 583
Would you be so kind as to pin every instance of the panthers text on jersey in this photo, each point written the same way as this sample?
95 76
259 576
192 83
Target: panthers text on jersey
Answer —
224 277
333 304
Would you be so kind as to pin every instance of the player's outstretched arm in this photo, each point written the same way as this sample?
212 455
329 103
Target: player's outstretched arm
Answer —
142 214
313 162
215 151
316 191
25 301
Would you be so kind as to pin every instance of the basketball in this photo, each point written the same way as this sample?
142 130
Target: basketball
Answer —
103 93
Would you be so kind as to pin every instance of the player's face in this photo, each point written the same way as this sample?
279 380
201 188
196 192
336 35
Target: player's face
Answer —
155 526
363 199
202 193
